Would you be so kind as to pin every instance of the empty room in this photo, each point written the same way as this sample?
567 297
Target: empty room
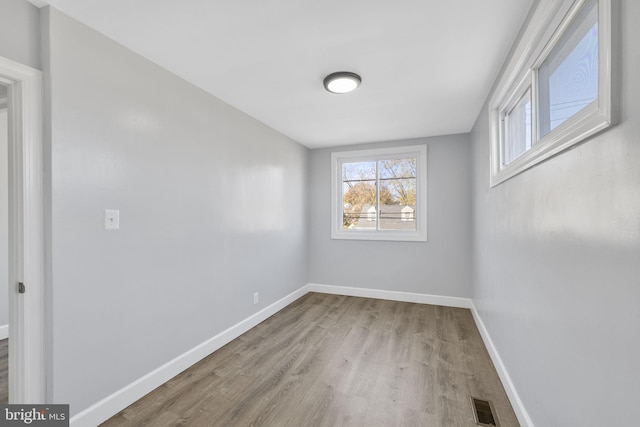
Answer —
338 213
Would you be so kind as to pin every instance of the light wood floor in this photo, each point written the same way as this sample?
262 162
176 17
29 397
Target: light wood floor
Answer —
4 371
330 360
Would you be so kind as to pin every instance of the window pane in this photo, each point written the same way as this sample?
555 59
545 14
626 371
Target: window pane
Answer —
398 194
568 77
359 195
518 129
374 194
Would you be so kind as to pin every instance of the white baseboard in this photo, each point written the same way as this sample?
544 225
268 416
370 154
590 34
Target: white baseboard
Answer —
111 405
514 398
392 295
4 332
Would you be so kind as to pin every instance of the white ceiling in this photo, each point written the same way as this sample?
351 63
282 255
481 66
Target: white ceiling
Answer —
427 65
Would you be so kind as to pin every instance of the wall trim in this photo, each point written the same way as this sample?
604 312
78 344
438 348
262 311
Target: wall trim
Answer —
4 332
111 405
392 295
512 393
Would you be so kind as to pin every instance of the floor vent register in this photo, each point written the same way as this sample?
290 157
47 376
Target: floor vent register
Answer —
483 412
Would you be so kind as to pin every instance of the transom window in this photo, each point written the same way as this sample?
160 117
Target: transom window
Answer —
557 89
379 194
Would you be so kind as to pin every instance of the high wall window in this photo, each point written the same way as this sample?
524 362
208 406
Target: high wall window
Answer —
380 194
557 89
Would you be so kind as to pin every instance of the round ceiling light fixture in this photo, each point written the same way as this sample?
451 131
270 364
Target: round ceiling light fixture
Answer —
342 82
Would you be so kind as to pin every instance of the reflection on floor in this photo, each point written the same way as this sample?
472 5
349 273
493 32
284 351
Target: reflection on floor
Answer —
4 371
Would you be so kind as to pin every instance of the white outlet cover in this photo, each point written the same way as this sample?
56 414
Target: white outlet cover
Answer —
111 219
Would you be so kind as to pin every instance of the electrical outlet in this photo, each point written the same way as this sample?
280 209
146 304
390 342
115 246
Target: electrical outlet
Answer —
256 298
111 219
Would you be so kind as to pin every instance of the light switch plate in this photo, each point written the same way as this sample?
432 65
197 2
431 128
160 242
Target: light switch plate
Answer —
111 219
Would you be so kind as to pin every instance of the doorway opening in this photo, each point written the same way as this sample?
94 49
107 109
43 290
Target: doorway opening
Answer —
25 271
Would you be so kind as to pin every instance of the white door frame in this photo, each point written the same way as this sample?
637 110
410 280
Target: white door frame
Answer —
26 232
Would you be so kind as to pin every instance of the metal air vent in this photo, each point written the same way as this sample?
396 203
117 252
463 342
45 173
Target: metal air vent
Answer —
483 412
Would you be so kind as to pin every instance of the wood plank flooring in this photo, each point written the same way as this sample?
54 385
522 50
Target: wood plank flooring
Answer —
329 360
4 371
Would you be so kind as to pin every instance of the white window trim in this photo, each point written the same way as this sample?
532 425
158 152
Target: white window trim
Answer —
420 234
546 26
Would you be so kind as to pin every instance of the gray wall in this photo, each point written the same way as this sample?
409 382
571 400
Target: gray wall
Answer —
19 32
4 220
557 269
212 208
441 266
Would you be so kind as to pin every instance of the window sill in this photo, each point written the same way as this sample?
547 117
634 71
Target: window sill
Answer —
392 236
573 131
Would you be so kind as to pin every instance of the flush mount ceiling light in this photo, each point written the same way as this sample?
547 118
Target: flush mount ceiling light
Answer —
342 82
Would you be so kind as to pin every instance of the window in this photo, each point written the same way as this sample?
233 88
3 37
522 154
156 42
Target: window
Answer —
380 194
568 76
557 89
517 127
